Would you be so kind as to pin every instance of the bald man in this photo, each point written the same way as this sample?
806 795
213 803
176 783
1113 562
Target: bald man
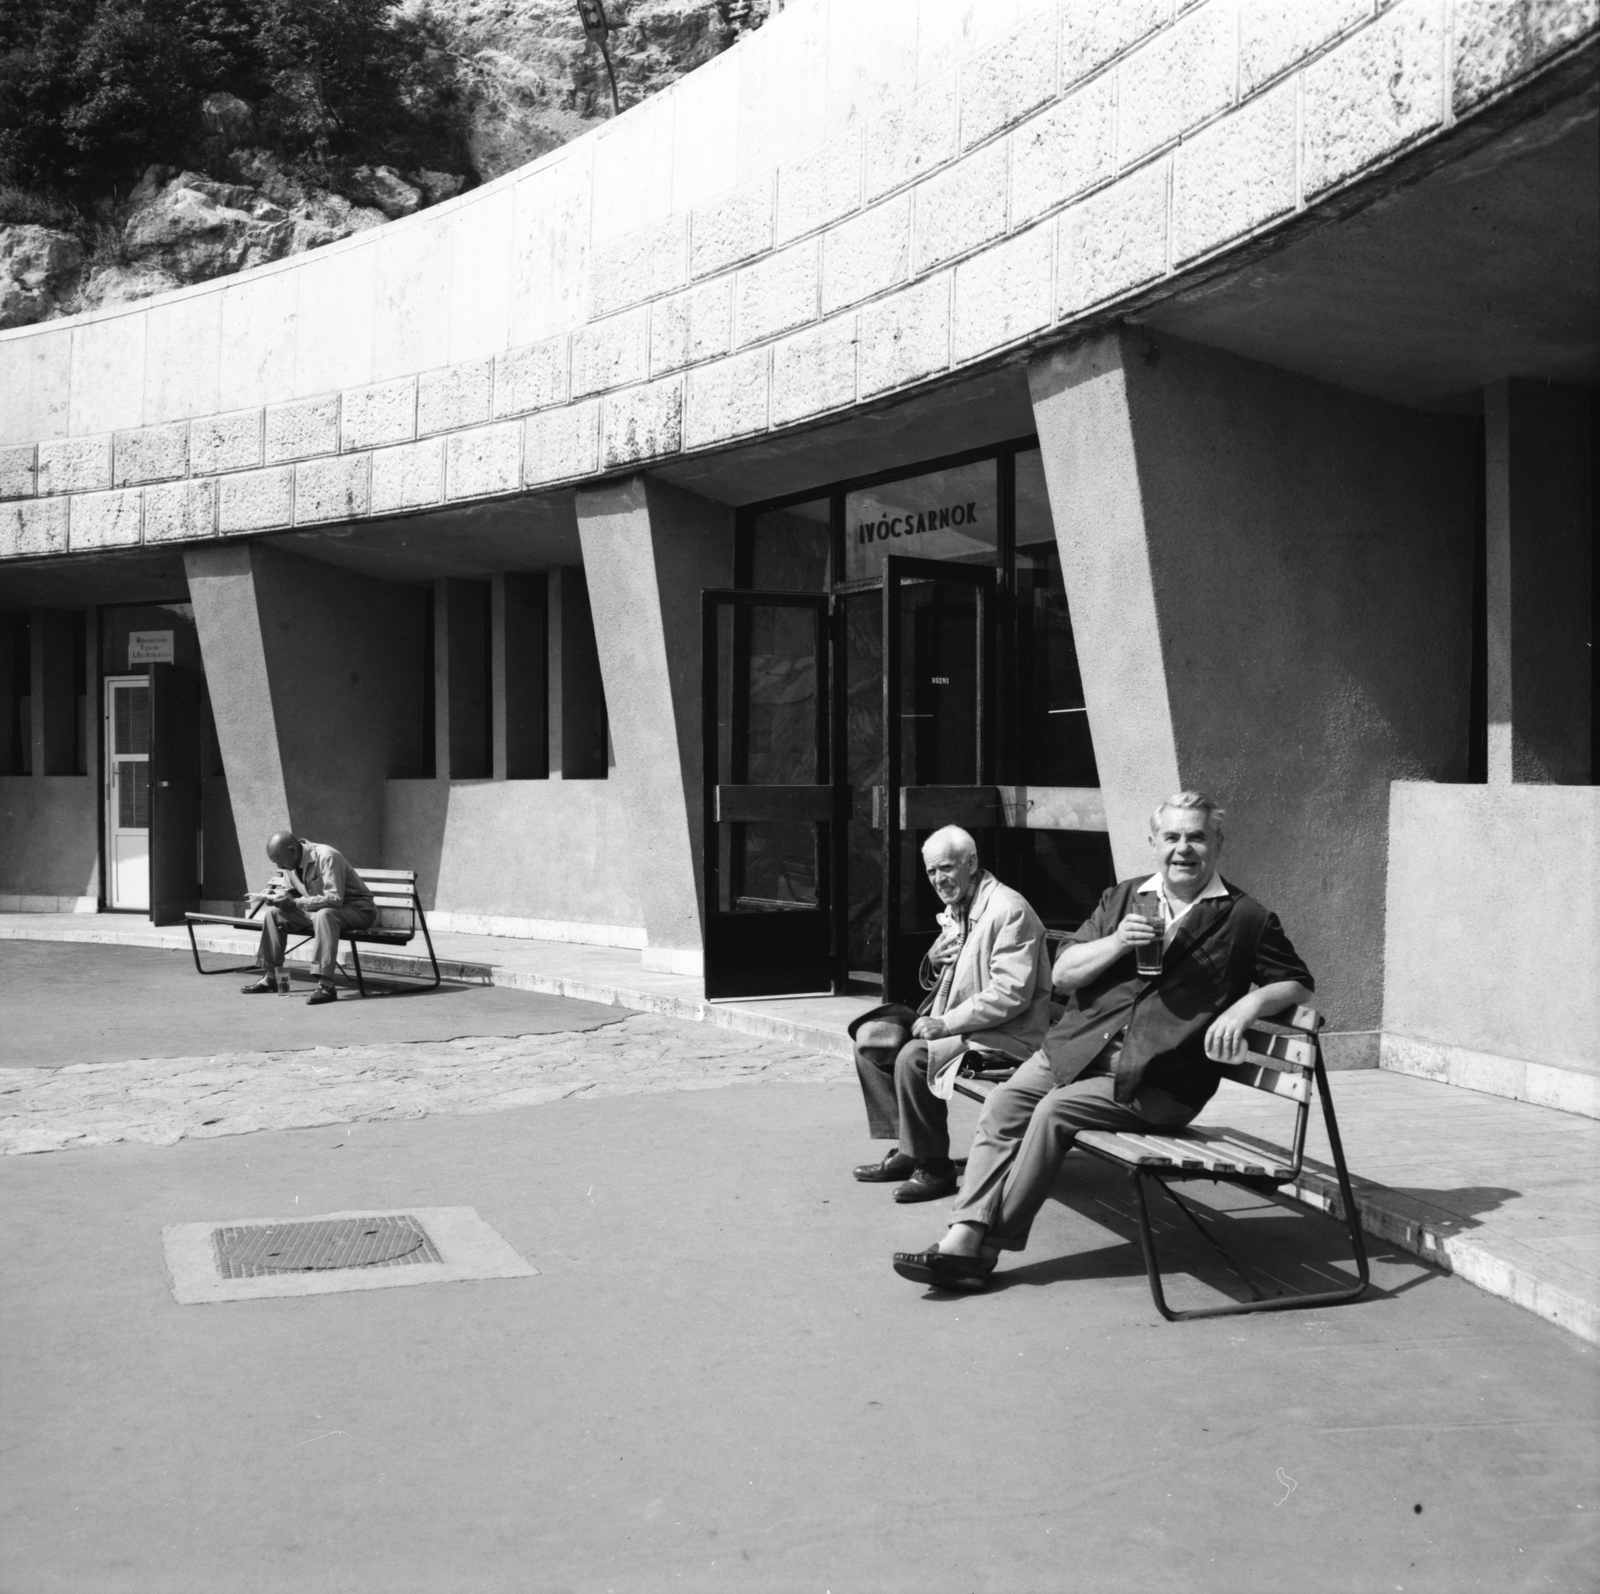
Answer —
315 892
988 976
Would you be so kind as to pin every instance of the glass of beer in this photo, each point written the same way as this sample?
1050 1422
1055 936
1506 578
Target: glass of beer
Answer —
1147 955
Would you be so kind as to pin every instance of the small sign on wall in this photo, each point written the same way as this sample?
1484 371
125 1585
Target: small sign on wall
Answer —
149 647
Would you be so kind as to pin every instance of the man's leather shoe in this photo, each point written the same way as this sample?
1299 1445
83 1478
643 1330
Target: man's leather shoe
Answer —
928 1183
259 988
323 993
894 1167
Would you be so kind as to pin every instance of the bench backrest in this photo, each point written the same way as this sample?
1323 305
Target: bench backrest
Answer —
395 893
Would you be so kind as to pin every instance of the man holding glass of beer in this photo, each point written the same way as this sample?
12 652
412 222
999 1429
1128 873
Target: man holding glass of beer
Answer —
1166 976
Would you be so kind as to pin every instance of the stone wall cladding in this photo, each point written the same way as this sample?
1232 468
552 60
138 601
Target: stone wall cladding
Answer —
643 265
777 294
561 445
1178 80
906 337
1275 35
1116 240
692 326
18 465
1004 294
458 395
532 378
484 461
332 489
1004 83
611 353
868 255
1065 152
821 189
731 230
220 443
1496 43
256 500
302 429
641 423
105 520
33 526
75 465
386 412
1092 35
814 371
726 399
150 454
962 208
408 477
1235 176
911 137
1378 91
180 511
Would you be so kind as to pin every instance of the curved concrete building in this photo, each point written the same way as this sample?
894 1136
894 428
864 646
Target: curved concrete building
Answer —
997 412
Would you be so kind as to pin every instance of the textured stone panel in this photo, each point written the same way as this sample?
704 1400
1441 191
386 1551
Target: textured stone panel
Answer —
486 460
1496 41
777 293
105 520
1182 76
332 489
642 423
640 266
457 395
963 207
906 336
151 454
868 254
33 526
1275 35
1002 84
731 229
1112 241
561 444
532 378
257 500
815 370
911 136
1093 34
1378 91
383 413
75 465
821 189
1005 293
726 399
17 467
302 429
225 442
180 511
1234 176
409 477
611 353
692 326
1069 149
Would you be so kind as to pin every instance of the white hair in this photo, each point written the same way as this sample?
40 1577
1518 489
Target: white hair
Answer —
953 837
1190 801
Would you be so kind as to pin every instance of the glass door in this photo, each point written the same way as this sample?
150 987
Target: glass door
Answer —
771 806
127 734
938 741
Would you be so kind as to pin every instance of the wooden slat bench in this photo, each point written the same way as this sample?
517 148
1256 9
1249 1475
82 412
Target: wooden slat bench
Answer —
1285 1060
400 916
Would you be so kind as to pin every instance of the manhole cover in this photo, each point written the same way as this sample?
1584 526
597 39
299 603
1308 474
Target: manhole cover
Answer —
318 1246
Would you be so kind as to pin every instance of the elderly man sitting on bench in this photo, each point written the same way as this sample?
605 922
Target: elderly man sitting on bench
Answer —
1135 1051
315 893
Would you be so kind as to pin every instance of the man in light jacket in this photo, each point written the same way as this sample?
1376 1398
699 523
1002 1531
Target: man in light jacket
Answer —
989 972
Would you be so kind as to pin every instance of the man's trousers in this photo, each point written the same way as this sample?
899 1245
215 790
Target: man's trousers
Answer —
324 924
900 1106
1027 1127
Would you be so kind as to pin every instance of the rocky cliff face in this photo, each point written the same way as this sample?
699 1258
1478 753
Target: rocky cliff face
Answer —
527 80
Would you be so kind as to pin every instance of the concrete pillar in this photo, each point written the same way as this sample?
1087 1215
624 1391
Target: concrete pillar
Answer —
520 687
315 683
461 680
1539 532
578 729
1270 583
55 696
648 552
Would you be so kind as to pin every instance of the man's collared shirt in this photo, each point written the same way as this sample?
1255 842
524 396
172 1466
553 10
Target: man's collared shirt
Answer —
324 879
1173 908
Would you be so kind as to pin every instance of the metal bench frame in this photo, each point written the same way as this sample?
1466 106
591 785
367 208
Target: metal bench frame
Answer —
1285 1060
393 891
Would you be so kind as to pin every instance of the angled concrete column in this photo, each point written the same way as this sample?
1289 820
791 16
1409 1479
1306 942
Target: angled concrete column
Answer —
316 689
1539 529
648 552
1270 586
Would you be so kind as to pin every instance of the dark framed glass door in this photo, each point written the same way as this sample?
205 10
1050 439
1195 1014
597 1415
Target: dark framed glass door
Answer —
772 808
938 740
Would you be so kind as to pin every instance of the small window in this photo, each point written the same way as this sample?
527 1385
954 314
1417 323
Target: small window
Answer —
790 549
945 514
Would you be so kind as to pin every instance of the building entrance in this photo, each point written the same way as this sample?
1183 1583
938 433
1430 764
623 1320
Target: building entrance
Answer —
846 719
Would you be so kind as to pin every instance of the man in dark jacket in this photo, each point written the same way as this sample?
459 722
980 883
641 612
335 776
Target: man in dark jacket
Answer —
1134 1051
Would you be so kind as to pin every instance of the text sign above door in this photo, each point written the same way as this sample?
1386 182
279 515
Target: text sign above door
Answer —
149 647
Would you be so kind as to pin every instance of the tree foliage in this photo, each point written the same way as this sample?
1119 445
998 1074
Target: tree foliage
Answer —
92 91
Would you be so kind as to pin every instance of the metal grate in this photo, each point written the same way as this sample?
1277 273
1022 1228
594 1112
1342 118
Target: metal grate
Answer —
264 1251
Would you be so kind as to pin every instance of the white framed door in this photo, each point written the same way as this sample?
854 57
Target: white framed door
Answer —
127 765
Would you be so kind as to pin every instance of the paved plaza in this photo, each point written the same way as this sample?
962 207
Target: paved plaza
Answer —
714 1380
